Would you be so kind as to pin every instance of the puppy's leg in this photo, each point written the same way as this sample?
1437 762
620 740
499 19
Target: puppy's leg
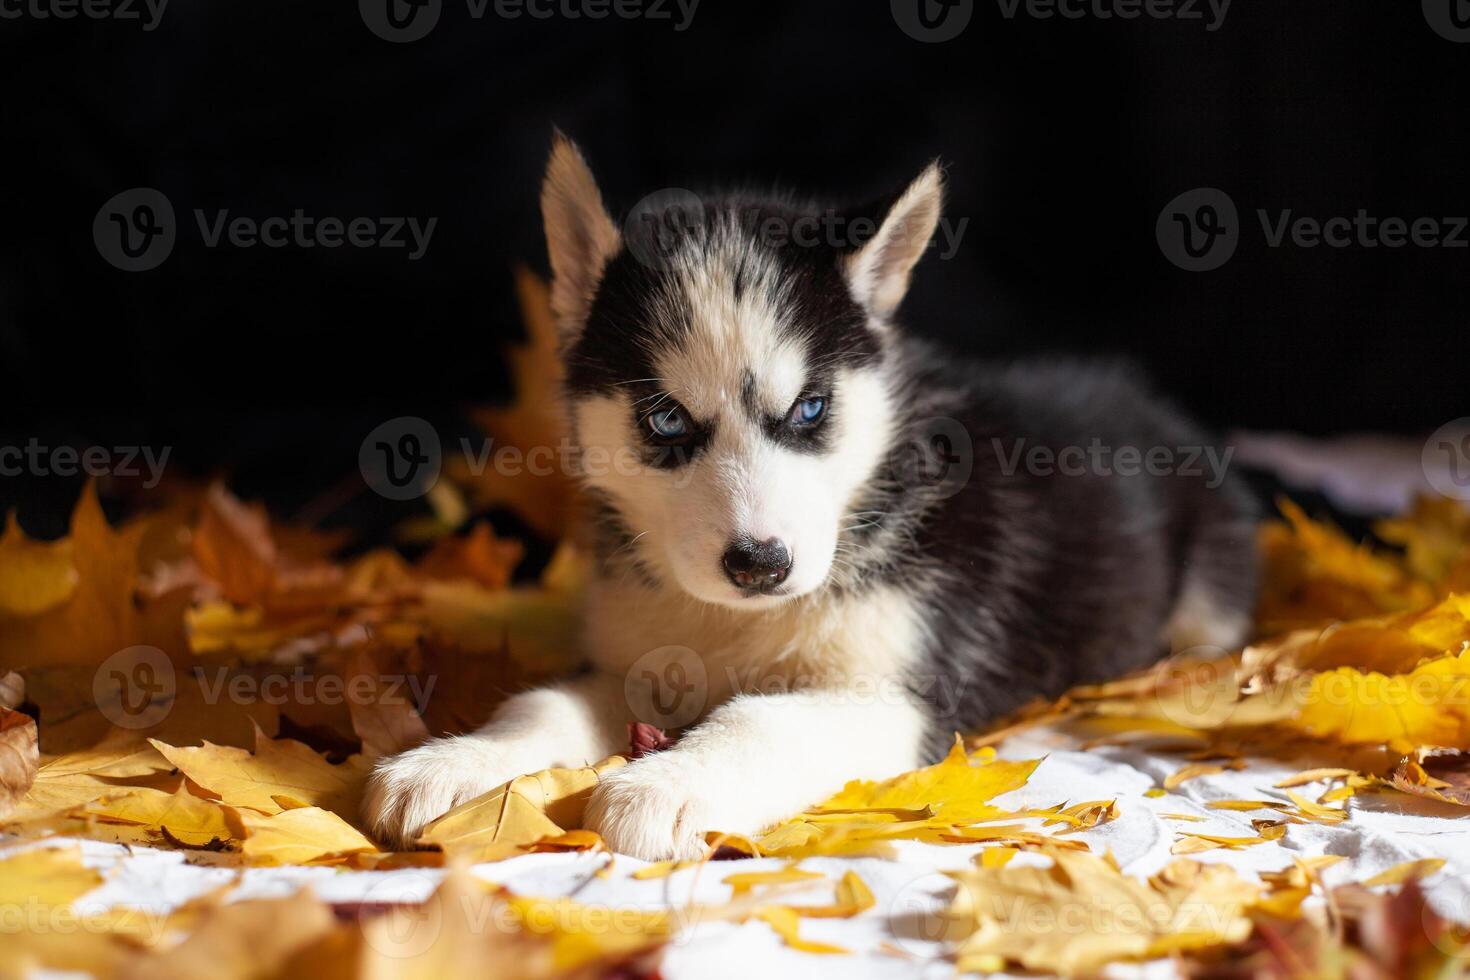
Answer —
572 724
756 760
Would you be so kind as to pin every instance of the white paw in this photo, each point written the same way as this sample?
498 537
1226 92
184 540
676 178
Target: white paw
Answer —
659 808
407 791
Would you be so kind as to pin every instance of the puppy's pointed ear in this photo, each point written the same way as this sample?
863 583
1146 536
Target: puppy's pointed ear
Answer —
580 237
878 272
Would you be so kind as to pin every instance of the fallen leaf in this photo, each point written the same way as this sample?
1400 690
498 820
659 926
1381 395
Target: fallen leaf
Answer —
65 783
501 822
571 840
100 617
787 925
1409 870
543 494
386 724
185 817
1436 774
1081 913
44 878
232 544
301 835
277 768
34 575
239 940
744 881
926 803
479 556
1192 771
1195 843
19 757
1313 776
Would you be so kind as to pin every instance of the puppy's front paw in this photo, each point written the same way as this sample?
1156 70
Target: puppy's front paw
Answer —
407 791
656 809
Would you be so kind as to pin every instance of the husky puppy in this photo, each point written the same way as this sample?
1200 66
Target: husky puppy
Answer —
822 547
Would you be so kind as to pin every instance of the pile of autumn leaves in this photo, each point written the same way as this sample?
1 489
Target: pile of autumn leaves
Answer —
1364 662
202 680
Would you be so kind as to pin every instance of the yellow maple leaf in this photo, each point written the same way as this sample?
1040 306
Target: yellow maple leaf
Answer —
1082 913
277 769
44 878
1425 707
34 575
187 818
302 835
1407 871
787 925
64 783
582 934
504 821
100 617
924 804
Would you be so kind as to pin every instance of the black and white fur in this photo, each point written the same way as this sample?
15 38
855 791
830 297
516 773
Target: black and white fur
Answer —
909 611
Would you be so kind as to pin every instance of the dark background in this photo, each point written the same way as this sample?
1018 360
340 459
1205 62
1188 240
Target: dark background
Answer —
1063 141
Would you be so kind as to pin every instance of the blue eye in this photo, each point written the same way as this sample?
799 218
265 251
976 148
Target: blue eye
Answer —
668 423
808 410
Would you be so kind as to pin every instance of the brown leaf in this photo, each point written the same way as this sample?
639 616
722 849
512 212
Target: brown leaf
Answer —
233 546
240 940
388 723
541 492
479 556
101 617
1443 776
19 757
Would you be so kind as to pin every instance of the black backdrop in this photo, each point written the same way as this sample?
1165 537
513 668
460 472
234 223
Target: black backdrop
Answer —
1063 138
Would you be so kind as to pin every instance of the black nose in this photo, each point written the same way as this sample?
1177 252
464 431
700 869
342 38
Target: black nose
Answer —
757 566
